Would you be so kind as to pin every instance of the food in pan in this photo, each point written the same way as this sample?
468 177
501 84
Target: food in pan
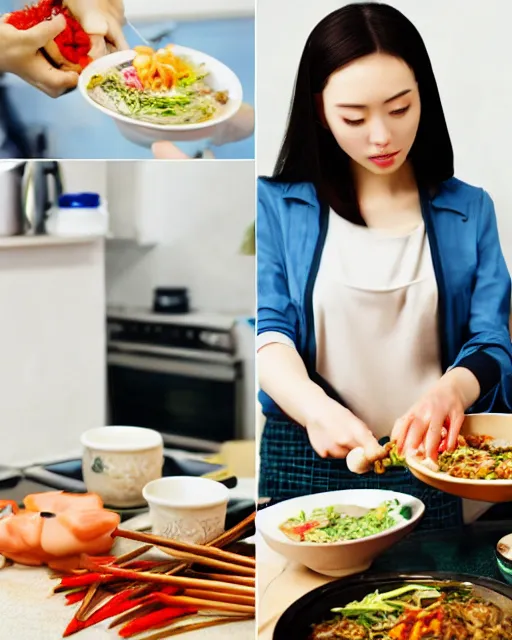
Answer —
344 522
158 87
417 612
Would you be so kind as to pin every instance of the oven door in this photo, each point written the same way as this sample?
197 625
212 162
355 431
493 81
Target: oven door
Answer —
193 402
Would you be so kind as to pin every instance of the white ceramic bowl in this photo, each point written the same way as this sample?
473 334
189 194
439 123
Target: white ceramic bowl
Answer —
338 558
220 78
187 508
119 461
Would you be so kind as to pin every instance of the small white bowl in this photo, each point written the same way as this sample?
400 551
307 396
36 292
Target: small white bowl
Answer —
119 461
187 508
220 78
337 558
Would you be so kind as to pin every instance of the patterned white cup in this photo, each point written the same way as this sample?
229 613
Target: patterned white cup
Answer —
118 462
186 508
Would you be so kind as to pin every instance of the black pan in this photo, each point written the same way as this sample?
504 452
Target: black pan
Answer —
316 605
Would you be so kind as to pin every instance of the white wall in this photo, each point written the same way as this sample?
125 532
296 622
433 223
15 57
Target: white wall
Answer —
198 212
52 346
469 45
142 10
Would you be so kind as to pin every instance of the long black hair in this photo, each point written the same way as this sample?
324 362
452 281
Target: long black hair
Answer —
309 152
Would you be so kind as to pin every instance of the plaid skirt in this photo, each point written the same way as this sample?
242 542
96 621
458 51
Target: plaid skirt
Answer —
290 467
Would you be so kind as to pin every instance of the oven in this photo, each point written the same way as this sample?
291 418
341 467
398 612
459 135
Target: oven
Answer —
181 375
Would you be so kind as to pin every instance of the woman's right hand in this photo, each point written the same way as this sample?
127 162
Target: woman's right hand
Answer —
334 431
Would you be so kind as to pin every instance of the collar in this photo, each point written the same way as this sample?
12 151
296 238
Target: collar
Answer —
451 196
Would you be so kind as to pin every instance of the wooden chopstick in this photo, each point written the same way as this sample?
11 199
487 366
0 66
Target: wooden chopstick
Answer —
176 581
248 582
221 597
235 569
184 628
91 598
185 547
215 605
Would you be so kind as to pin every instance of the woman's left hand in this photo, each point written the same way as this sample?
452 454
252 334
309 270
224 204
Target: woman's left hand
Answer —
443 407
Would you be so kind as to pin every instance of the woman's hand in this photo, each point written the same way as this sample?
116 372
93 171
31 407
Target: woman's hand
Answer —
19 54
103 20
334 431
443 407
239 127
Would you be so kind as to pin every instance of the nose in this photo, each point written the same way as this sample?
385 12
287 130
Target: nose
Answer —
379 133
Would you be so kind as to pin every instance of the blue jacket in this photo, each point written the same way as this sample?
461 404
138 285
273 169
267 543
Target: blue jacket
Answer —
472 277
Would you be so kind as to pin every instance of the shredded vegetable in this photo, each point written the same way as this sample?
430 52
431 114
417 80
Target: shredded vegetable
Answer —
334 523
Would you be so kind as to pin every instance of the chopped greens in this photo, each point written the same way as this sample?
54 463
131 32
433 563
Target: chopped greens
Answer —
335 523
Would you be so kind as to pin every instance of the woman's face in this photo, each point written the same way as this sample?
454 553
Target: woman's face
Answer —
372 107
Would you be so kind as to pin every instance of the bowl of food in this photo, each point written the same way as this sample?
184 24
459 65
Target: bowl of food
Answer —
401 607
339 533
480 468
174 93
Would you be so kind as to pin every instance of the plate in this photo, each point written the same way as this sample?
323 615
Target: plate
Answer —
316 605
220 78
497 425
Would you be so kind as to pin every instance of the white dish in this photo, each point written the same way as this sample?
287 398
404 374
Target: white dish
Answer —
220 78
497 425
337 558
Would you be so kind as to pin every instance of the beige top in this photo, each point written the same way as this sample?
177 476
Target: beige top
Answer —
375 309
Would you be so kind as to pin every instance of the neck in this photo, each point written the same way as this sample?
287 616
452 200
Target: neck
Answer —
370 185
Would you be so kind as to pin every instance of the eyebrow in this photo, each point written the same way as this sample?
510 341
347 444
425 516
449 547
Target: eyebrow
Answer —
363 106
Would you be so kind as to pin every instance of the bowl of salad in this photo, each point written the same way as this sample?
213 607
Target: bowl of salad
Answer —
172 93
339 533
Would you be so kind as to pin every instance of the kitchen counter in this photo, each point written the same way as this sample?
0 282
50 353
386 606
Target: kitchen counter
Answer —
468 549
29 611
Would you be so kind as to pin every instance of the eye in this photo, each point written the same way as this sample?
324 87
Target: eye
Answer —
353 123
400 112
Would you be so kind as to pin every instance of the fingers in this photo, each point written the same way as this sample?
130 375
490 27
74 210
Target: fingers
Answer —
399 433
50 80
365 438
44 32
164 150
415 434
98 47
94 22
337 451
456 423
116 35
434 436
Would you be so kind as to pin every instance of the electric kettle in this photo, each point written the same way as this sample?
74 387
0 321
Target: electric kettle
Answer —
28 190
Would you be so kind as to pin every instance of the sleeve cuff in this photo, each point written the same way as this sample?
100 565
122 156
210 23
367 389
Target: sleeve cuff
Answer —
268 337
485 369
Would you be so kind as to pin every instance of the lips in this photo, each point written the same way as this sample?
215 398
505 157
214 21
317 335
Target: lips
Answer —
384 160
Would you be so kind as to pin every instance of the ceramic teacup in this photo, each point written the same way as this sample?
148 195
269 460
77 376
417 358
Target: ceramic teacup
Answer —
118 462
188 509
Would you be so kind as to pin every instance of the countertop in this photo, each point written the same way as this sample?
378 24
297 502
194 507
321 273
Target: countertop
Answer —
28 611
469 549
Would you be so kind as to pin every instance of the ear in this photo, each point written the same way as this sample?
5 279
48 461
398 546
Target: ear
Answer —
320 113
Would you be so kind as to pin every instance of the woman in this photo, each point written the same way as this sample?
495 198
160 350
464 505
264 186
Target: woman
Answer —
383 294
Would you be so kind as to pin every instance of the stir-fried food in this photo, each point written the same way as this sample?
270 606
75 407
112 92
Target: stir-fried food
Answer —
337 523
478 457
417 612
